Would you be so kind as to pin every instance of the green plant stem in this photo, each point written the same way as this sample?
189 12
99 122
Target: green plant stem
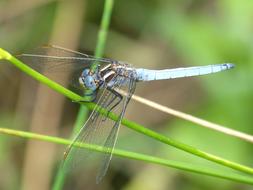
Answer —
185 147
135 156
29 71
103 30
83 111
102 34
141 129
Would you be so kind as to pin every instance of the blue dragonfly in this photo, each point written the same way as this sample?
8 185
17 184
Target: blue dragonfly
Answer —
102 80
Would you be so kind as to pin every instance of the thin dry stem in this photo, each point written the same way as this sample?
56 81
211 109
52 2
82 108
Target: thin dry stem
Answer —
193 119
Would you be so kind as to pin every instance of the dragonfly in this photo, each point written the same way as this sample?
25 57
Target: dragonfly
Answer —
102 80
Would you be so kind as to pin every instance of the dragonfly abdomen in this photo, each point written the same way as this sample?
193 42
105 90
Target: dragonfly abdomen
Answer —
149 75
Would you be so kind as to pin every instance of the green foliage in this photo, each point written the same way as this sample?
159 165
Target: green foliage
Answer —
159 34
129 124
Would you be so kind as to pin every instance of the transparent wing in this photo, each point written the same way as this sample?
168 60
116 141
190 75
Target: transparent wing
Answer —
58 59
99 130
111 140
59 63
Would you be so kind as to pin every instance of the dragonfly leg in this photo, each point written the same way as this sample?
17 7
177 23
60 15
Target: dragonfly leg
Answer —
90 96
118 95
83 101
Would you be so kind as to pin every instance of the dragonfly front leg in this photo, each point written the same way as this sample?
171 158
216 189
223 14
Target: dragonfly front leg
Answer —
89 96
116 95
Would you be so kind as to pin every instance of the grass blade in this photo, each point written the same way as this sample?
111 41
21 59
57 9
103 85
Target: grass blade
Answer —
130 124
137 156
83 112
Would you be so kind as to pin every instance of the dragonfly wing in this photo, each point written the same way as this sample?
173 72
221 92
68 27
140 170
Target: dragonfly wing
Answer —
99 130
111 140
60 64
57 59
90 133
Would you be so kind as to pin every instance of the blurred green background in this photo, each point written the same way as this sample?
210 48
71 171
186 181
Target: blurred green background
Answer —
151 34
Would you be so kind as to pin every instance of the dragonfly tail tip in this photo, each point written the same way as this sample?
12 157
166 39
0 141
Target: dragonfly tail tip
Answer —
229 65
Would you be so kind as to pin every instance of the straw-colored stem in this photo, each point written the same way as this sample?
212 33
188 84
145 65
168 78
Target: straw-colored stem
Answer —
130 124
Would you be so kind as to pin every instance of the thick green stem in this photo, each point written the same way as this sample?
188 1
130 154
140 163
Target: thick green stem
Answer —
83 111
135 156
55 86
137 127
103 30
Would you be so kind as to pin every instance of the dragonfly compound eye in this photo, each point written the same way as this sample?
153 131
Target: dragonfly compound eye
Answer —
85 72
87 80
89 83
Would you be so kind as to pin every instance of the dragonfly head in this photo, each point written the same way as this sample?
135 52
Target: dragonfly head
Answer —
88 80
